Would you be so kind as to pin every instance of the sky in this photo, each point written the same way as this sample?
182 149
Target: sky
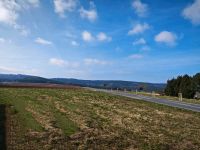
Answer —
133 40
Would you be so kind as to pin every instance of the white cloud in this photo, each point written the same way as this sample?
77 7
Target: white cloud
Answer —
21 29
136 56
35 3
140 41
92 61
140 8
139 28
64 5
90 14
56 62
103 37
28 3
9 11
2 40
74 43
43 41
61 62
192 12
87 36
166 37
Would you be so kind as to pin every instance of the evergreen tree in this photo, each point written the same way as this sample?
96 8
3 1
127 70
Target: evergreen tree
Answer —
177 85
196 80
185 84
187 87
169 90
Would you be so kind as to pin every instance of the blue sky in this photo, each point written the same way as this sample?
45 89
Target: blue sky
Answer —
137 40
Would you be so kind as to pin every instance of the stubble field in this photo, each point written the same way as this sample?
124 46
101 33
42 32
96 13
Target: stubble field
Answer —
75 118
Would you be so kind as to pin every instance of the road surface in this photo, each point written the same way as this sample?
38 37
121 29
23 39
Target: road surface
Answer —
178 104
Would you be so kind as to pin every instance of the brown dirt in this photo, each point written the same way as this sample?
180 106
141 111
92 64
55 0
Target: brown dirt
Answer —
38 85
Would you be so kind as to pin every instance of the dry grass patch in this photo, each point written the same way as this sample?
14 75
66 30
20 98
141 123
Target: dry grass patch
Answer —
82 119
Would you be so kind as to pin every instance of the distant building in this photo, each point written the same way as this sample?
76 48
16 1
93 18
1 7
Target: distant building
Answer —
197 95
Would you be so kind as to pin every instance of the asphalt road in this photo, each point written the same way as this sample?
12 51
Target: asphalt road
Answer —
178 104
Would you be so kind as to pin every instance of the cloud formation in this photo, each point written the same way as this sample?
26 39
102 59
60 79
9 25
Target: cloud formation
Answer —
10 12
29 3
61 6
90 14
139 28
43 41
103 37
60 62
192 12
74 43
140 41
87 36
166 37
140 8
93 61
34 2
56 62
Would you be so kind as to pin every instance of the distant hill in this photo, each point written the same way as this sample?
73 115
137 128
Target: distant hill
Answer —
25 79
106 84
114 84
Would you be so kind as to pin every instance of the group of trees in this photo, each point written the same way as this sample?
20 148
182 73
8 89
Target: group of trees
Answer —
187 85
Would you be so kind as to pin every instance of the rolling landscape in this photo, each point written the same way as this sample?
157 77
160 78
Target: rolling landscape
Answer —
47 114
99 75
105 84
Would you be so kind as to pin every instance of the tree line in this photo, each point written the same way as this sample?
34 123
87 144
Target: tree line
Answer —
187 85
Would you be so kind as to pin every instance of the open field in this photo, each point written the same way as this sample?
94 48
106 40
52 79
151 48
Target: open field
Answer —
74 118
36 85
